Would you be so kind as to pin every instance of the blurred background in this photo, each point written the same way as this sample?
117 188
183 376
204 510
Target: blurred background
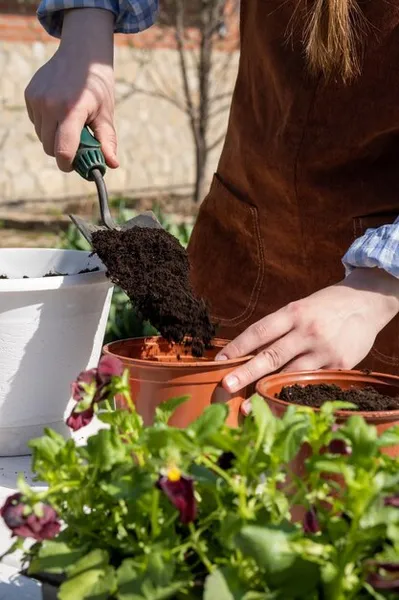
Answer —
174 84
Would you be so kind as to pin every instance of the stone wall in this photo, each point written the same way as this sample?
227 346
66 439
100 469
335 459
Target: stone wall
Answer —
155 145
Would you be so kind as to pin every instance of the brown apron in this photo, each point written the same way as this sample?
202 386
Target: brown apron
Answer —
307 167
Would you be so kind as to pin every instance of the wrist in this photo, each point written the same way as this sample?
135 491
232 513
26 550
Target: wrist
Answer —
378 290
87 33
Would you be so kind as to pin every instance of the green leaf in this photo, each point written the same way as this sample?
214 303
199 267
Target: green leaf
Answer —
330 408
160 436
22 485
127 486
55 557
164 411
203 476
94 584
223 584
106 449
285 569
91 578
291 438
230 526
270 548
265 421
363 438
133 585
390 437
47 447
323 465
210 422
95 559
160 572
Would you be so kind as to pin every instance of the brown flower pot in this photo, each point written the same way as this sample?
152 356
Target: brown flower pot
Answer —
160 371
383 383
382 420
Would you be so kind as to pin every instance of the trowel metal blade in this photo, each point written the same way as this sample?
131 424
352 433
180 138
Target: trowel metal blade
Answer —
144 219
86 229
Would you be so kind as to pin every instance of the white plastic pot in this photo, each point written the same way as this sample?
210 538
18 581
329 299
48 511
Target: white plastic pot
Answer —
51 328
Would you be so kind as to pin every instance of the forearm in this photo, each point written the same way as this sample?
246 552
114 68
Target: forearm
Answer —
88 33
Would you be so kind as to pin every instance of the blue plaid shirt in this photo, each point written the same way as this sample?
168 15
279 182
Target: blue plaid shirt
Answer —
376 248
131 16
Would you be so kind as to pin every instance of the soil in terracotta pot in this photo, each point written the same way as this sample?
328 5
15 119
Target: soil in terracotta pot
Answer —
152 267
366 399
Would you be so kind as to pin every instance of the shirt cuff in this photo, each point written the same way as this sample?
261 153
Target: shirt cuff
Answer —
376 248
131 16
51 12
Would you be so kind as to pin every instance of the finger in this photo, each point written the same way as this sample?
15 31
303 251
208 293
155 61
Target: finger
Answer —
48 134
104 131
306 362
259 334
272 359
67 139
246 407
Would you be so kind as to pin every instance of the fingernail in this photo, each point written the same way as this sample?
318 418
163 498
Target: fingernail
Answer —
221 357
246 408
232 382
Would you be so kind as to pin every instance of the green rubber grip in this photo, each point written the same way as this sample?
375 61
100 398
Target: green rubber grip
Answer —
89 156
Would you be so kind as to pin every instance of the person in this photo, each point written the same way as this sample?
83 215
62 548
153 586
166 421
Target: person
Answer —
308 176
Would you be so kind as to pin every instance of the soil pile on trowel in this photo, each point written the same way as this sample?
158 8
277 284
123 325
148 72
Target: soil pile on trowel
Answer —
153 269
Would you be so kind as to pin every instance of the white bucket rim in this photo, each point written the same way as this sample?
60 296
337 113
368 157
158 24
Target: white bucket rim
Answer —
56 282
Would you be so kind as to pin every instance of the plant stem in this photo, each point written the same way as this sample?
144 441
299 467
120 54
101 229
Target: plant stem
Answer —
197 547
154 512
214 467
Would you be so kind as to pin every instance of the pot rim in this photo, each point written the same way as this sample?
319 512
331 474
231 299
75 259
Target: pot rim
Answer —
40 284
142 362
298 377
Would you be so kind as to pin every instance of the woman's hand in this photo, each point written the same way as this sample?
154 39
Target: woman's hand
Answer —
333 328
76 87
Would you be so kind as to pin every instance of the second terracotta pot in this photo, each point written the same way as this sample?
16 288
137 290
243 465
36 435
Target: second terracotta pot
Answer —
386 384
160 371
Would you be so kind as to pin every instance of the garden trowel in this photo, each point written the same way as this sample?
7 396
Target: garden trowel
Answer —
90 164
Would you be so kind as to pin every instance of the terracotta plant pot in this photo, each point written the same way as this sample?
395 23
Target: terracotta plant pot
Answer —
160 371
382 420
385 384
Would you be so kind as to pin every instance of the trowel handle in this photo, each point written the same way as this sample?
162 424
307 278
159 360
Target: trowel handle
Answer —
89 156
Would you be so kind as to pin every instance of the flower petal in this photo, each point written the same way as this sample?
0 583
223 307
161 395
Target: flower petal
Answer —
338 446
77 420
392 501
181 494
39 528
310 522
108 367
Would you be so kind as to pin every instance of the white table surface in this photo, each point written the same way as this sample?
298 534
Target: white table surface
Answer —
14 586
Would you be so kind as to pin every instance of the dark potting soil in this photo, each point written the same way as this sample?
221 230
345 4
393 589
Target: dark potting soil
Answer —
152 267
56 274
366 399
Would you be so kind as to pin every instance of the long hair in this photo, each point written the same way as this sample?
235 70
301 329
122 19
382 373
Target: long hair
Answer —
332 36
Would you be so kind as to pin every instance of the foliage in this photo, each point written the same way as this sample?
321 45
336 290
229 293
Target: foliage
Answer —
159 512
124 322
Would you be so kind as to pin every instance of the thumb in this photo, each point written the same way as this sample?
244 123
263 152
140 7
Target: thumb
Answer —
104 131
